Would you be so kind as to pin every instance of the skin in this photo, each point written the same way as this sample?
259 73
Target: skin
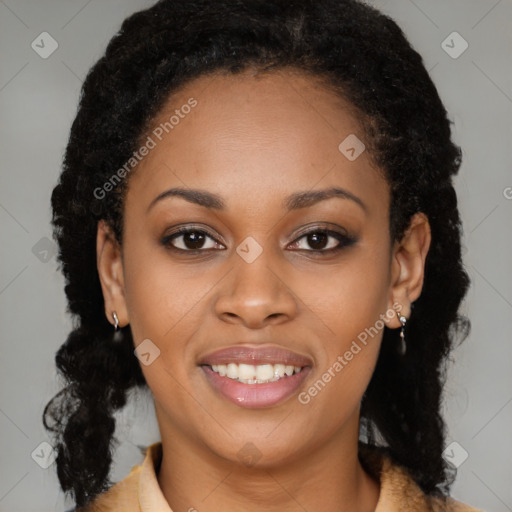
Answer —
254 140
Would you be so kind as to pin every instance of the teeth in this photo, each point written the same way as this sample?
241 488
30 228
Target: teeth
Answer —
255 374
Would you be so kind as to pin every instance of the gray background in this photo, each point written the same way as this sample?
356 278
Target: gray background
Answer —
38 100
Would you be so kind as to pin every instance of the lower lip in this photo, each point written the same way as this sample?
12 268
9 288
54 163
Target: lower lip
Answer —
256 395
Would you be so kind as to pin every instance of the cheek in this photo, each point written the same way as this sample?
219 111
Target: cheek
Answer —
166 304
156 295
349 312
347 297
346 307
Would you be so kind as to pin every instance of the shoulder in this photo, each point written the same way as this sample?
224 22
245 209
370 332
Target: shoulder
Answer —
124 495
457 506
399 491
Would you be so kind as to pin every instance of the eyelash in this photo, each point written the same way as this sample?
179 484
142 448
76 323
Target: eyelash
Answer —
345 241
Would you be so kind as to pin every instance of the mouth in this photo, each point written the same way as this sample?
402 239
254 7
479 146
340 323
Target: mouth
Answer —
255 393
255 377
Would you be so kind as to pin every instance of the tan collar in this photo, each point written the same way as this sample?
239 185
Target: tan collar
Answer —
140 491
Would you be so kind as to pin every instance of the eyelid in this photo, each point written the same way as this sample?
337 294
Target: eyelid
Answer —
321 226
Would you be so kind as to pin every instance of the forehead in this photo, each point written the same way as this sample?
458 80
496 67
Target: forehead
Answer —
253 136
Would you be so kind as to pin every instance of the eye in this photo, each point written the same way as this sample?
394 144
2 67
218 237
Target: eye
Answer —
322 241
318 239
192 240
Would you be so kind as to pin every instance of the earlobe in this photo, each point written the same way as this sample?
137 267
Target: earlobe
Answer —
408 262
110 271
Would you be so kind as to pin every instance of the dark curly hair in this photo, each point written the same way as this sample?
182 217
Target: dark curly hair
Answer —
363 56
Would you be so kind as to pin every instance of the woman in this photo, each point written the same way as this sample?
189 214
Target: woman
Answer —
257 221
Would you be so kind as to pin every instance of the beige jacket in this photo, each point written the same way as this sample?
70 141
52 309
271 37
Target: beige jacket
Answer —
140 492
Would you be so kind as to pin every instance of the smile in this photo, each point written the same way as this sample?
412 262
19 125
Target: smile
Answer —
254 392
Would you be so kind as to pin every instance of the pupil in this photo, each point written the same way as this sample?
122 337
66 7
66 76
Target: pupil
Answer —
315 244
193 240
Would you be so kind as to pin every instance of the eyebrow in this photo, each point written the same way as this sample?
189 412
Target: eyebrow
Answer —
295 201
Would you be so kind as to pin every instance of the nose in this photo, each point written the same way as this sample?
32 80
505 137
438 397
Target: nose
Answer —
255 294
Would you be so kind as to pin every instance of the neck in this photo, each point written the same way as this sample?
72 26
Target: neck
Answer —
330 478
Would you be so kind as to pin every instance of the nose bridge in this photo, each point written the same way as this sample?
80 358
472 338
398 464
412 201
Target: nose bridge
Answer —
252 273
254 290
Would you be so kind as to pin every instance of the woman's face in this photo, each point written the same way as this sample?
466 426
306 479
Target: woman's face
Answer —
280 267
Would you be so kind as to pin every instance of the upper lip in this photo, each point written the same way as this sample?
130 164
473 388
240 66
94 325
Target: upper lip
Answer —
244 354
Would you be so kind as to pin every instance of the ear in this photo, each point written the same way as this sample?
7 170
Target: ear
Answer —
408 267
110 270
